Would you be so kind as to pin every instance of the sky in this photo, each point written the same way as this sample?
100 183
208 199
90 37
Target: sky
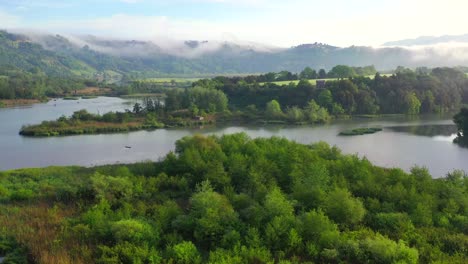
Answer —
271 22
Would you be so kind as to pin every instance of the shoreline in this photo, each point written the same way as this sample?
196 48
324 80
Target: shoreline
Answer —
100 127
96 128
6 103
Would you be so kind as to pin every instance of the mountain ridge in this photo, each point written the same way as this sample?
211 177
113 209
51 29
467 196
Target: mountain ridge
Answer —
91 55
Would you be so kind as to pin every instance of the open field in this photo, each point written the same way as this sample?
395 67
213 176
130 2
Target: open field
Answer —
312 81
192 78
168 80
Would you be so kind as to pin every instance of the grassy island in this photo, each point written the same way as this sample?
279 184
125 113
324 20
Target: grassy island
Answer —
89 97
233 199
82 122
360 131
71 98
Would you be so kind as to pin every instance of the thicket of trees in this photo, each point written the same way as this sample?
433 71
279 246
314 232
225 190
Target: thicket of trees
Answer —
440 90
16 84
405 92
233 199
339 71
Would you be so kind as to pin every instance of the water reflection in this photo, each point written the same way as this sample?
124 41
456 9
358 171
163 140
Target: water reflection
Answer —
426 130
404 143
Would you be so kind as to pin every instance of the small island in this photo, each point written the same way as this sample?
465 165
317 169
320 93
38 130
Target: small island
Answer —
71 98
197 106
83 122
360 131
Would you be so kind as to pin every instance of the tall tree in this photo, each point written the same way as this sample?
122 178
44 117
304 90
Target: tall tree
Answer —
461 120
273 109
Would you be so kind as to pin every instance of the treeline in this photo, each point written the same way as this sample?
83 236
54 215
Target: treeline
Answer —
18 84
129 86
339 71
405 92
178 108
233 199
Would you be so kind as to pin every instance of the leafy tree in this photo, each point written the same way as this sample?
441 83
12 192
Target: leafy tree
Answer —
344 92
294 114
315 113
308 73
208 100
134 231
112 189
325 99
382 250
310 181
273 110
212 215
185 253
276 204
341 71
137 108
413 105
343 208
318 231
461 120
322 74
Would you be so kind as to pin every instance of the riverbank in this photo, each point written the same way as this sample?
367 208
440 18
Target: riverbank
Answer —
19 102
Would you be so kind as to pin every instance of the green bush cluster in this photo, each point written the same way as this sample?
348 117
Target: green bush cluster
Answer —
233 199
360 131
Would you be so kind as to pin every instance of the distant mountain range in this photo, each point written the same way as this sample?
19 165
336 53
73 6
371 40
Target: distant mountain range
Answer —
429 40
91 56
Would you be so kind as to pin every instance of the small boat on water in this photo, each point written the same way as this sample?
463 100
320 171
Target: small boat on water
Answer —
128 147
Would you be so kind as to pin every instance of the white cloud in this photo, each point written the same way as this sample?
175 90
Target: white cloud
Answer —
337 22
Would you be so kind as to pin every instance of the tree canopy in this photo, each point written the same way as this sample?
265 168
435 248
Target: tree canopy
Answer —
233 199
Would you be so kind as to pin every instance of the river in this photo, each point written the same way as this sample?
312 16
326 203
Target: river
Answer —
404 142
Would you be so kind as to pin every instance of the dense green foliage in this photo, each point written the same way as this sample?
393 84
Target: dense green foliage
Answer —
15 84
406 92
339 71
180 108
233 199
244 99
461 120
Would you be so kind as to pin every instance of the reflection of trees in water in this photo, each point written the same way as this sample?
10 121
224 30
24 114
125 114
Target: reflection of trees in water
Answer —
427 130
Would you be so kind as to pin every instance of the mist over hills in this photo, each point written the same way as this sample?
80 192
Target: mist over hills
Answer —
429 40
90 55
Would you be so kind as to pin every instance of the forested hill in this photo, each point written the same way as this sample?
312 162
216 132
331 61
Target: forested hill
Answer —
94 57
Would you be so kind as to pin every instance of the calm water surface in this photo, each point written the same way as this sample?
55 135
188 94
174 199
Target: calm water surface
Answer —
404 142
